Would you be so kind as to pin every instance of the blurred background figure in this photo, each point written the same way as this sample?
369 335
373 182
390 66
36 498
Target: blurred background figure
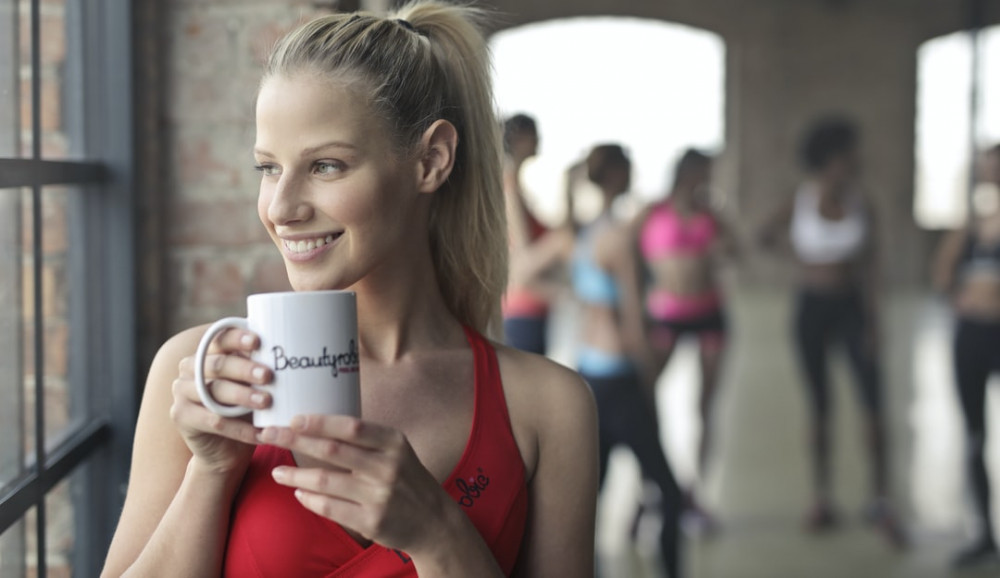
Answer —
534 250
832 230
612 354
967 268
682 241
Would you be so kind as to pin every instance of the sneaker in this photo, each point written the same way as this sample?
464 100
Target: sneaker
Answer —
820 518
696 522
981 553
880 515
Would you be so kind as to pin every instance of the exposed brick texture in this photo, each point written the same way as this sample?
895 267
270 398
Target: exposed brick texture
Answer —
218 251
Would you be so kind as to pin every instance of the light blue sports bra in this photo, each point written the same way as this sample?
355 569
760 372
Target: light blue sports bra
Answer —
592 284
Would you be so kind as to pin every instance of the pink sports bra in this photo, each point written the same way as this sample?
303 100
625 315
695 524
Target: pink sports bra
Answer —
666 233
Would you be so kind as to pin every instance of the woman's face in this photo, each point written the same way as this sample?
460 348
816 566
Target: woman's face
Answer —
525 144
701 178
619 177
335 199
843 168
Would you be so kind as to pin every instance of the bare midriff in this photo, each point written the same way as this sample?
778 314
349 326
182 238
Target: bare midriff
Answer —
683 274
829 276
600 330
978 297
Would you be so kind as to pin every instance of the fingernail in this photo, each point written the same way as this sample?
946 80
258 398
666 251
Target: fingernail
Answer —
268 434
258 373
279 473
246 340
257 399
298 422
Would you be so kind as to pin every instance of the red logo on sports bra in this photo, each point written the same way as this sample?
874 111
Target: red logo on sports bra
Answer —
472 488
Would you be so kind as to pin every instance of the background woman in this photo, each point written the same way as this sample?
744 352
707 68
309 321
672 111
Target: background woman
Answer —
534 250
833 232
379 133
968 268
612 353
682 240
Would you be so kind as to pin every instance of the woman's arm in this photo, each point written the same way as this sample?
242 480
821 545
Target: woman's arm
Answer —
559 537
946 260
176 513
616 251
728 245
869 274
517 227
775 227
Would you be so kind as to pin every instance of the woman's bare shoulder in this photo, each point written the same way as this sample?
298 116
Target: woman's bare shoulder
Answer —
537 376
543 398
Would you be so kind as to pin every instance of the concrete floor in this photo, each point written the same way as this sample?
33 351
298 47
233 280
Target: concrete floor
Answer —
758 485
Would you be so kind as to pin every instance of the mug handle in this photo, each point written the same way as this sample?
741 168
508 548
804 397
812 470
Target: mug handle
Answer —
199 367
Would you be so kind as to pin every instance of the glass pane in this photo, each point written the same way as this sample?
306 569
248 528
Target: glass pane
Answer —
11 337
60 516
27 392
9 72
65 399
13 549
58 99
23 72
65 394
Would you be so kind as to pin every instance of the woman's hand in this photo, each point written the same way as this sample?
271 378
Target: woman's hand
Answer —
372 482
222 444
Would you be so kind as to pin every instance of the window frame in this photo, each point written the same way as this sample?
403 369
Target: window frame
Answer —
103 273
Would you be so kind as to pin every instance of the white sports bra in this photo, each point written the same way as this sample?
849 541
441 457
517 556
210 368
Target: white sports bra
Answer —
820 241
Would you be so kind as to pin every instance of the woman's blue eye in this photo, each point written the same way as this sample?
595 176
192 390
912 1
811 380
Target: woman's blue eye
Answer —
267 170
327 167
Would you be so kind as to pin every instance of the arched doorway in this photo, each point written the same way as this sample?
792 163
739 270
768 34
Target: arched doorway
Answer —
653 86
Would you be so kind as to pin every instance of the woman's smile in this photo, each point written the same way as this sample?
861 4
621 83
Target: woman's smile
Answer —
302 248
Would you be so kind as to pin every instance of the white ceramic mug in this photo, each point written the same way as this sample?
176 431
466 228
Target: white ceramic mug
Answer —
309 340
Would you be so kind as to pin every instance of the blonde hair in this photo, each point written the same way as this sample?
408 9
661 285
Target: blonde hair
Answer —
427 61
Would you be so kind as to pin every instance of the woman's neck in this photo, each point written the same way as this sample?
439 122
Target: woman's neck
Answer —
515 163
683 199
401 309
830 189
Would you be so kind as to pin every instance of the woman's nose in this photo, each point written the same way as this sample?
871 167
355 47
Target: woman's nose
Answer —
289 203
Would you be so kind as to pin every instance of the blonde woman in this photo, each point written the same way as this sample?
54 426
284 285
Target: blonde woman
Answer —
379 132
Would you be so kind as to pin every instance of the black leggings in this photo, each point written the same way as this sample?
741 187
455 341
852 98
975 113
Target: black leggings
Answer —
527 333
626 418
977 355
822 319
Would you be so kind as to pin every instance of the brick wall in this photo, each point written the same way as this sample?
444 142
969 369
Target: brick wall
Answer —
218 252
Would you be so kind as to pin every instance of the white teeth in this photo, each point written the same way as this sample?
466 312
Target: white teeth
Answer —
306 246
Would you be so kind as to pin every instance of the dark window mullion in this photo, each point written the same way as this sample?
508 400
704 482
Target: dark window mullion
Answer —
31 172
41 563
63 459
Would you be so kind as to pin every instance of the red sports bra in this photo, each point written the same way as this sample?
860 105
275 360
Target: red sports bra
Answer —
271 534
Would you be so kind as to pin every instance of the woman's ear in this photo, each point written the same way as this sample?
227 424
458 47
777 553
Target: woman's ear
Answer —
438 156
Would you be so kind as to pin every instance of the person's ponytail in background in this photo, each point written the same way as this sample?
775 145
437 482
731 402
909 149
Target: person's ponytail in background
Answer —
427 61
